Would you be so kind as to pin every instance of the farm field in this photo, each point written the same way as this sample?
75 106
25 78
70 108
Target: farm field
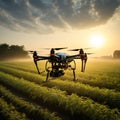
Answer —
24 95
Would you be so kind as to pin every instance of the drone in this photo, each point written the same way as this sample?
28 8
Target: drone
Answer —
56 63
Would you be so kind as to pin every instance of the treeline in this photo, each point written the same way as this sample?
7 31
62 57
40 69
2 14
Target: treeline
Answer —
116 54
12 52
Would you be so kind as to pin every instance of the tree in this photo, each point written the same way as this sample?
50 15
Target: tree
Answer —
116 54
12 52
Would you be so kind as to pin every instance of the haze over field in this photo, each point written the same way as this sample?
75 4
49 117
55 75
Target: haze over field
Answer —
61 23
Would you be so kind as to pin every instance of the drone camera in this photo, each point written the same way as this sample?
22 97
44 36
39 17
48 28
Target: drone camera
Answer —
56 73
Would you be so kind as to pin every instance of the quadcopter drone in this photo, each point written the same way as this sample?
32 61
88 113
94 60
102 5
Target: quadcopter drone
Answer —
58 62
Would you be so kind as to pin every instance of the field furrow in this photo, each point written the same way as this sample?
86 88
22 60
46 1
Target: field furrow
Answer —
21 67
8 111
109 80
103 96
73 105
32 111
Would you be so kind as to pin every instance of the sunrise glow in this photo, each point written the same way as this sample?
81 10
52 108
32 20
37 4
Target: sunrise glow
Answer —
97 40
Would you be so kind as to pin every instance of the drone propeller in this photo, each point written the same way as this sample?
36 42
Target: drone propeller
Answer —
74 50
56 48
79 49
60 48
31 51
89 53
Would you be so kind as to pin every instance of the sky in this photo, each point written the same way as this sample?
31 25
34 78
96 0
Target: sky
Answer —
38 24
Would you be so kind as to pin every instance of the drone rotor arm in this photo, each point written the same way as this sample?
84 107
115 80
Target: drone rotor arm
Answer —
72 56
43 57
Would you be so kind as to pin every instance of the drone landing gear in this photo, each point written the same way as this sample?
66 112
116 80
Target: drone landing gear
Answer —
48 74
37 67
74 75
72 67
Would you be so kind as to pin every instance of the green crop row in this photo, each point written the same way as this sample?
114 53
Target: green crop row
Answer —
21 66
104 73
22 74
25 66
72 104
103 96
101 79
8 112
32 111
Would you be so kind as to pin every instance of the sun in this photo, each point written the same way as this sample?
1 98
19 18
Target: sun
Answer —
97 40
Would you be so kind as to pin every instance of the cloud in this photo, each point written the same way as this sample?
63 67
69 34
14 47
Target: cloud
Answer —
44 16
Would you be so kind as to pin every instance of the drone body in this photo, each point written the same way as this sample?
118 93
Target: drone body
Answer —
58 62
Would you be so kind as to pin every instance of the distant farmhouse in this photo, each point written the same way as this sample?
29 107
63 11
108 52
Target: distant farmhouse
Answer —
116 54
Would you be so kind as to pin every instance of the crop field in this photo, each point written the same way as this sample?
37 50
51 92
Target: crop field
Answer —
24 94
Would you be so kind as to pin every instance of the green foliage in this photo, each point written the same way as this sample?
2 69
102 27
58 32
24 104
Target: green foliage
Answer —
31 110
71 104
104 96
95 96
12 52
8 112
